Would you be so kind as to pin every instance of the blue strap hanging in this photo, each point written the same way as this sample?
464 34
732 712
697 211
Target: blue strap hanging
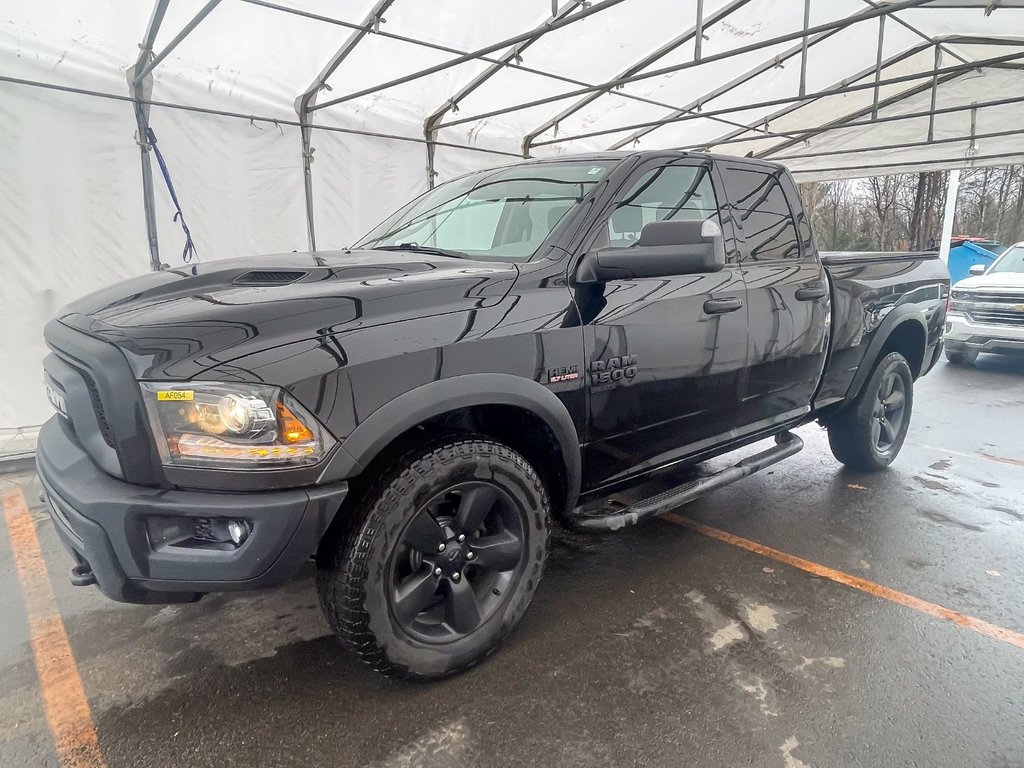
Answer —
189 252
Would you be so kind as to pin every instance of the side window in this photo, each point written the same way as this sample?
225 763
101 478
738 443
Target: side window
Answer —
669 193
762 214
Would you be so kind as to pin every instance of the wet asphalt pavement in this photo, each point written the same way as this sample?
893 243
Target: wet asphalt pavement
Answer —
657 646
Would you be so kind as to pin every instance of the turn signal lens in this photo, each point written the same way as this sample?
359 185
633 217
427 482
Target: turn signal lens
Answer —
292 430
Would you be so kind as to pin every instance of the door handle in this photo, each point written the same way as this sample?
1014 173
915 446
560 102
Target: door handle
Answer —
721 306
813 293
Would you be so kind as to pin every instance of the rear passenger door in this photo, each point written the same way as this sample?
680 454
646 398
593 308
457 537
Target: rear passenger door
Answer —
787 295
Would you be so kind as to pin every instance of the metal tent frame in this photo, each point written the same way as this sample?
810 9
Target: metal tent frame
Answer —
508 54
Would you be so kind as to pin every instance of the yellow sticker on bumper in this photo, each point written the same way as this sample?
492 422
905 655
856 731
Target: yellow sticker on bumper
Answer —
175 394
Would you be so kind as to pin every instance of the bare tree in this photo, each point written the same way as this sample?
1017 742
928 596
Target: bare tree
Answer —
904 211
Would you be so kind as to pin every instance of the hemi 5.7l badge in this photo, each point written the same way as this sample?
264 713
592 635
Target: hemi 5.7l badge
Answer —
566 373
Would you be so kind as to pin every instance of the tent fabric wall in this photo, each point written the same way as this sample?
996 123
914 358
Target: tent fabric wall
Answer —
345 205
70 223
528 73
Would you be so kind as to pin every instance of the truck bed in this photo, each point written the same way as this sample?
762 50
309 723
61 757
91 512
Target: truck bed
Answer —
870 289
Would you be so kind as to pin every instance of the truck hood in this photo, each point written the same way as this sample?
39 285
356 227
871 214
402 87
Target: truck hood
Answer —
175 325
1009 281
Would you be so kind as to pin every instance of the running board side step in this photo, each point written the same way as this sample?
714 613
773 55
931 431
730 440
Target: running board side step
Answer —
787 444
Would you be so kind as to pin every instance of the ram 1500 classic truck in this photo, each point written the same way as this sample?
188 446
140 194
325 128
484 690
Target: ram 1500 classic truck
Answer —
506 350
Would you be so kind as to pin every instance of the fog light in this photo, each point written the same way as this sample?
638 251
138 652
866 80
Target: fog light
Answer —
238 530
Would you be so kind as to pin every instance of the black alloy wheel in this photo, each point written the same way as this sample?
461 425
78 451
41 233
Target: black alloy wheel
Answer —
890 407
457 557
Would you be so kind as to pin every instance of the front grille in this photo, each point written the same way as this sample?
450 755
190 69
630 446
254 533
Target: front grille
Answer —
97 406
994 297
997 317
103 401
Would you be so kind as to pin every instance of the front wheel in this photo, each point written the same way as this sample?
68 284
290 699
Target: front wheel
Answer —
440 560
868 434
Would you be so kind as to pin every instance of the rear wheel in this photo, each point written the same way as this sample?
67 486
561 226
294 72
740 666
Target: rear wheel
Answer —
869 433
962 357
440 561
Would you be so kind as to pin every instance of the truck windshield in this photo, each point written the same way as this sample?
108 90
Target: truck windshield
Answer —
502 214
1012 260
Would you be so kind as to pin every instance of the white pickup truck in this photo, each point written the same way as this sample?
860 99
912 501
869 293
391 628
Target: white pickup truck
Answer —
986 310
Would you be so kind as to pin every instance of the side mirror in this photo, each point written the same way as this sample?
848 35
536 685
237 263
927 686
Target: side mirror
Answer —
665 248
978 269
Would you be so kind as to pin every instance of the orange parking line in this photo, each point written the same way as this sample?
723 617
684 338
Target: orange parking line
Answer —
1002 460
67 709
909 601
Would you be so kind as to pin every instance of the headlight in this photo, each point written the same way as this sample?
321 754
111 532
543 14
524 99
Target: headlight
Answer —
232 426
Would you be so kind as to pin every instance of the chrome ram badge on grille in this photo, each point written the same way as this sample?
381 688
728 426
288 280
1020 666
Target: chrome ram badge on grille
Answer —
56 398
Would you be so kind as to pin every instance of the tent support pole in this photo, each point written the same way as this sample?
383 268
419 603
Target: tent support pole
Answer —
952 188
305 102
148 195
878 64
935 92
140 88
431 151
803 47
306 137
698 31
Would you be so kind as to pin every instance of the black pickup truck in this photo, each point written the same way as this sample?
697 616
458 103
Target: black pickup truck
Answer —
506 350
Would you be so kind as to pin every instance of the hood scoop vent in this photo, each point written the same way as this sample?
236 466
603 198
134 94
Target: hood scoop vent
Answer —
270 277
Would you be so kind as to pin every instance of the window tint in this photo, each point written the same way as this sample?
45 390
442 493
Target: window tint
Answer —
762 213
669 193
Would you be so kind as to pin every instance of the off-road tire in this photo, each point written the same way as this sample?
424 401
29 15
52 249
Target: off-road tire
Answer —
852 433
353 563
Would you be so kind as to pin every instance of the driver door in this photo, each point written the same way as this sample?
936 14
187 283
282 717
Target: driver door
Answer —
665 356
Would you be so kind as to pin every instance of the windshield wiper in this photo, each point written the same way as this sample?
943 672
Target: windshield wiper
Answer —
417 248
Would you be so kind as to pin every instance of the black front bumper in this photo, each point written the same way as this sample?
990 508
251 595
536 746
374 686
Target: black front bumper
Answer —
109 526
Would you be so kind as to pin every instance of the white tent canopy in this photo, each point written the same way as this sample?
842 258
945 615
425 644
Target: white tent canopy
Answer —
297 121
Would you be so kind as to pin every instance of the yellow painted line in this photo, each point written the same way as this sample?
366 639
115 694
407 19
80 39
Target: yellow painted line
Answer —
886 593
67 709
